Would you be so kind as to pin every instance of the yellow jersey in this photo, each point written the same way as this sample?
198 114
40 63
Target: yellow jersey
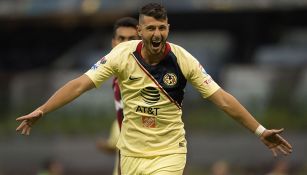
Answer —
152 96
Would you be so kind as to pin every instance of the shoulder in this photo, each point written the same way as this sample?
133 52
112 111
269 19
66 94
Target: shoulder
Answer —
122 50
186 61
128 46
180 52
175 47
120 55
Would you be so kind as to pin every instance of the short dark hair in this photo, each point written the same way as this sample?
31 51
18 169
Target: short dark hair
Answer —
154 10
125 22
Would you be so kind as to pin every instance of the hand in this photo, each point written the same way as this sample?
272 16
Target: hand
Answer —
103 145
28 121
275 142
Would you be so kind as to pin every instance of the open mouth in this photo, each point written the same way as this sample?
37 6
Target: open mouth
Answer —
156 43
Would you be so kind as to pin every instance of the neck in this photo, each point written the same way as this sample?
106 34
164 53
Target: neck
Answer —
152 59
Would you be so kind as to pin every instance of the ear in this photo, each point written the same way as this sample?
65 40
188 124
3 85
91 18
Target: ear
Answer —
113 43
139 30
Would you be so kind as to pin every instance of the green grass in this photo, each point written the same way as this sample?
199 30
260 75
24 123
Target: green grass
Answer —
61 124
207 118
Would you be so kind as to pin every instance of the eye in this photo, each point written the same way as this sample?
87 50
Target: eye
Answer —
162 28
133 38
150 28
121 38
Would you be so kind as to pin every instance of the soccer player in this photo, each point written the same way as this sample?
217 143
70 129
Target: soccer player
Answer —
152 74
124 29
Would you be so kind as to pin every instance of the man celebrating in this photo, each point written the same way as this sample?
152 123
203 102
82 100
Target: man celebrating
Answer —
152 74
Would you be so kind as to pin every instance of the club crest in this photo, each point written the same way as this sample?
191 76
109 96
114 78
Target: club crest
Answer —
170 79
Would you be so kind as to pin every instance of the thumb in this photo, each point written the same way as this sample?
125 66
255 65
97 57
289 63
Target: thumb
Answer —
278 131
24 117
37 113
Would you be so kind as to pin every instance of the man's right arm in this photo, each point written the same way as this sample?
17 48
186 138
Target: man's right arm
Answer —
67 93
64 95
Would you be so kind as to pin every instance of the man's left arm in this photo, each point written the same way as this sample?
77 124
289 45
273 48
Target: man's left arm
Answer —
270 137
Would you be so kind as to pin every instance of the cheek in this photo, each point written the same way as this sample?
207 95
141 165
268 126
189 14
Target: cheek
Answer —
146 37
165 34
117 41
164 37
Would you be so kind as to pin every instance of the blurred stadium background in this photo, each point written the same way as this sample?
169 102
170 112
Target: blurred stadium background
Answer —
255 49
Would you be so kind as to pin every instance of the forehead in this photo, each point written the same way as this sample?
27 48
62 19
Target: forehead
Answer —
148 20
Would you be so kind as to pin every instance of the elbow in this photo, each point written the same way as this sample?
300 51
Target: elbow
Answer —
76 87
227 103
225 106
224 101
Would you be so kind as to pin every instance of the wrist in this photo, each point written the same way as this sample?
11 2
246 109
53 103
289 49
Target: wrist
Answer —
259 130
40 111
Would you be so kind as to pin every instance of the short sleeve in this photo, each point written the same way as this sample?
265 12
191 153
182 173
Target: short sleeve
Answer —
106 67
202 81
196 74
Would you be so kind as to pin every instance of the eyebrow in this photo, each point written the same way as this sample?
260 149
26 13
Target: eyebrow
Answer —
151 25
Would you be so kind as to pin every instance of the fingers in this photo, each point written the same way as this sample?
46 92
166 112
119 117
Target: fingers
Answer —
287 148
24 127
21 125
34 114
284 142
276 143
278 131
280 149
25 117
283 150
26 130
28 121
274 152
280 145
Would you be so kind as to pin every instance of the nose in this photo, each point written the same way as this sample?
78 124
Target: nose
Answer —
157 32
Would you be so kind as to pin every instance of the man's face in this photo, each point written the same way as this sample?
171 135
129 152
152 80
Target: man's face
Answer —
154 34
123 34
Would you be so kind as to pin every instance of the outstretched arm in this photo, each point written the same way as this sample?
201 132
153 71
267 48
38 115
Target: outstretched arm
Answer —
233 108
64 95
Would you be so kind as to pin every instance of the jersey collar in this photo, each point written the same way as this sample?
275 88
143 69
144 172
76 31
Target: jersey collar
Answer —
166 51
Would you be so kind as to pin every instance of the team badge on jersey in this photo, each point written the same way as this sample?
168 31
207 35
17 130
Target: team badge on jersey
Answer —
103 60
170 79
95 66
